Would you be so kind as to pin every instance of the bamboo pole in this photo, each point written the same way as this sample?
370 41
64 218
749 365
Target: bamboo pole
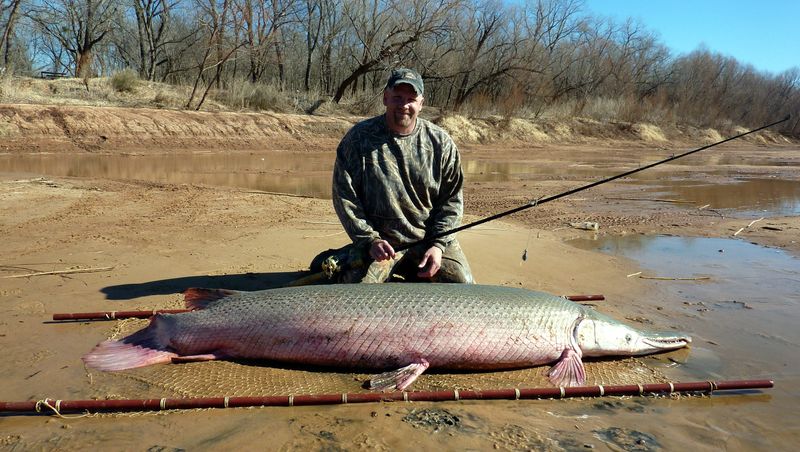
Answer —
114 315
58 407
62 272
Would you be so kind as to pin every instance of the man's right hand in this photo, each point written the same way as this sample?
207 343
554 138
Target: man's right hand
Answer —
381 250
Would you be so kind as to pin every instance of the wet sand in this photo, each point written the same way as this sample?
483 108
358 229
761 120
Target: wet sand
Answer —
161 237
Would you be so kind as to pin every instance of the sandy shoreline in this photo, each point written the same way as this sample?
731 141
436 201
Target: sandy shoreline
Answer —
160 238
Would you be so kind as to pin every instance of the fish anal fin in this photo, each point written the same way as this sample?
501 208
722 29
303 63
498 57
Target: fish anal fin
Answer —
198 298
568 371
398 379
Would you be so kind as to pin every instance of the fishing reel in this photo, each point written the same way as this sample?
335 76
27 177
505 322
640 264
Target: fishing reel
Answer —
330 266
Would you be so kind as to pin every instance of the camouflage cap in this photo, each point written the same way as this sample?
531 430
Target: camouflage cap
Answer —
408 76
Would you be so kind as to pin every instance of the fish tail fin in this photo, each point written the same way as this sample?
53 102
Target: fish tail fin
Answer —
197 298
140 349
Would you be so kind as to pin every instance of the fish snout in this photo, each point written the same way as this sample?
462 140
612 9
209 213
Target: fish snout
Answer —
663 341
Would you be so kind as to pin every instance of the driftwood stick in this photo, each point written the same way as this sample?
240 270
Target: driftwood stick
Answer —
675 201
667 278
62 272
747 227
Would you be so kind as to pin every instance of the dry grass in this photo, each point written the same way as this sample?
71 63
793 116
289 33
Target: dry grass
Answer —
710 136
101 92
649 133
462 129
598 120
243 95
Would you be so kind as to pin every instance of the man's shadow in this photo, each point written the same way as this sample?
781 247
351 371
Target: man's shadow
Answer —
242 281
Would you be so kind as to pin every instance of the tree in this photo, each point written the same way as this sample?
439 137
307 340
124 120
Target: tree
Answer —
386 32
489 51
261 22
311 20
78 25
9 13
152 24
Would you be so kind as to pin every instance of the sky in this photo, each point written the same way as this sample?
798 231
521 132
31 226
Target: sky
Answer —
764 33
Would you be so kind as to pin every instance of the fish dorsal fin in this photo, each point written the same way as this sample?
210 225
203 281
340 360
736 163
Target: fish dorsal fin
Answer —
197 298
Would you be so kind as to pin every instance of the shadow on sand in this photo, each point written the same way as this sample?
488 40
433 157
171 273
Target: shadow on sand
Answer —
242 281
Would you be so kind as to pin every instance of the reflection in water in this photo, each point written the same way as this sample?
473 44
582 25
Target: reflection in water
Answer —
735 266
309 174
765 197
753 293
743 320
504 171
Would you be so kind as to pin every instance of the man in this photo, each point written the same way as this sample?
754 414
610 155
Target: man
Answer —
398 179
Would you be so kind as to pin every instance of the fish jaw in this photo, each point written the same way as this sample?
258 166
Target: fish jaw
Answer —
601 336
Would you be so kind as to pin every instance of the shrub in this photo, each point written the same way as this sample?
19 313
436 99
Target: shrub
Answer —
364 104
124 80
258 97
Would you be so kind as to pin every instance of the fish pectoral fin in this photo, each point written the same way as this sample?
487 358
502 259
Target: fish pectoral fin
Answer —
568 371
398 379
194 358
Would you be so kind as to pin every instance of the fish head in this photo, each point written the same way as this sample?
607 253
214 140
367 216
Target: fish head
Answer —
600 335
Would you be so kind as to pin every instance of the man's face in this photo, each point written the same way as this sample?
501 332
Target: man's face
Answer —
403 104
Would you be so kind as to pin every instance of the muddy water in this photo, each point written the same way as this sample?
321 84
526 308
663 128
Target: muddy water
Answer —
308 174
748 196
743 318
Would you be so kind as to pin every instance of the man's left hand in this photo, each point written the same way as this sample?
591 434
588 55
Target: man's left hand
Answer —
431 262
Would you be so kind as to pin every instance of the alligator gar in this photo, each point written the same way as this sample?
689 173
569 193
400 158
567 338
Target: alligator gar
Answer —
402 328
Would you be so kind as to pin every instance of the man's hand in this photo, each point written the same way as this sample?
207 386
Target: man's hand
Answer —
381 250
431 262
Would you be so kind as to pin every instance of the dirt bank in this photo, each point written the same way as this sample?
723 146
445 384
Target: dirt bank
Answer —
49 128
37 128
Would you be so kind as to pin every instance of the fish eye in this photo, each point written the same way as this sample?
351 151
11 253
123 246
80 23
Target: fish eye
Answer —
627 338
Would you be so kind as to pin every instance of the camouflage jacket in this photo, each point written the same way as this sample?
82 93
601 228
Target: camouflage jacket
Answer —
398 188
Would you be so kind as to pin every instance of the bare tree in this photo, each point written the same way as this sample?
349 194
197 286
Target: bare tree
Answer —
261 22
387 31
221 44
9 14
333 31
489 52
152 25
78 25
311 20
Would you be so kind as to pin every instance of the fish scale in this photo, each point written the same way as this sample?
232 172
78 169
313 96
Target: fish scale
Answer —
385 326
379 326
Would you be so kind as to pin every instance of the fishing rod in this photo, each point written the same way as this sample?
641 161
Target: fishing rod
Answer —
576 190
58 407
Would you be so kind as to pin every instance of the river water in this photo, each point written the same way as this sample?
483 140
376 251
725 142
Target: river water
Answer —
308 174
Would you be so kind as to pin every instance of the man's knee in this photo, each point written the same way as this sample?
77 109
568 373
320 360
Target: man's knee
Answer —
454 272
455 267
